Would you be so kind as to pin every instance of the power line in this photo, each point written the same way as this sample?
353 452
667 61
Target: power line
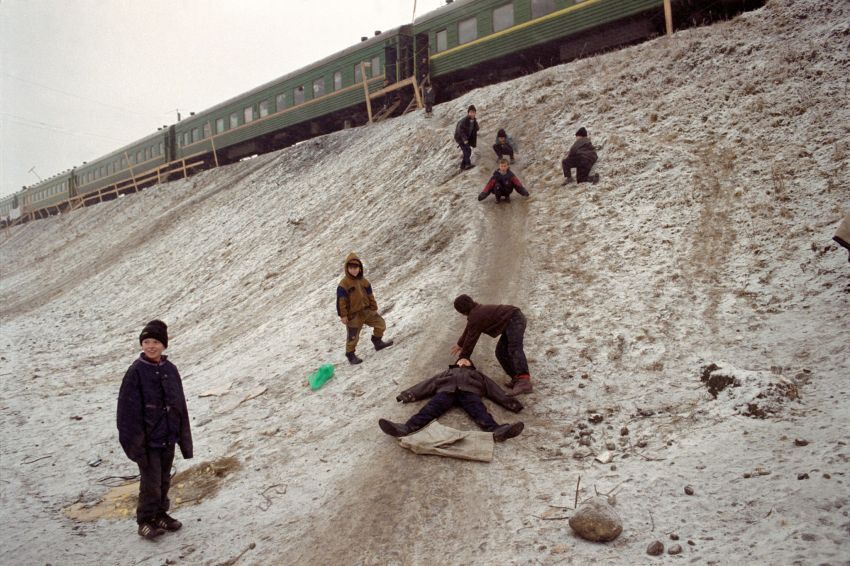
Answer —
66 93
45 126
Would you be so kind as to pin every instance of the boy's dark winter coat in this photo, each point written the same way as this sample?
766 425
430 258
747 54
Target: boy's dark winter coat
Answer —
487 319
354 294
503 184
458 378
152 410
583 150
466 132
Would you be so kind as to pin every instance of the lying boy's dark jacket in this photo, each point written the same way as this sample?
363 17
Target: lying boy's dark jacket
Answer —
489 319
583 150
466 131
354 294
460 379
502 184
152 409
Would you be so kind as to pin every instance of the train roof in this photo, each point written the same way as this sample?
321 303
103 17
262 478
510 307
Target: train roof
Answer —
442 10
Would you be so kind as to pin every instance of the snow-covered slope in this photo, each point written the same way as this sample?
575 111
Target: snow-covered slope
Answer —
724 174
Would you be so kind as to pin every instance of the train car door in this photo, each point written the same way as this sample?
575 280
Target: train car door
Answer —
423 67
391 63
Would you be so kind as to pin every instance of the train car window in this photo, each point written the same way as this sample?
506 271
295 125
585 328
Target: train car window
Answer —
234 120
503 17
467 30
299 95
280 101
123 163
442 40
264 108
207 130
196 134
139 156
147 153
219 125
376 65
161 148
249 114
318 87
358 76
540 8
337 80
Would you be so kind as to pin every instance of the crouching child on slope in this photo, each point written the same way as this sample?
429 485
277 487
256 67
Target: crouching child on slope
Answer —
356 306
152 418
502 183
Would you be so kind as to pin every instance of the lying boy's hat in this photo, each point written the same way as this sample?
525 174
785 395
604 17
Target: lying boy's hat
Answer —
464 304
157 330
471 108
582 133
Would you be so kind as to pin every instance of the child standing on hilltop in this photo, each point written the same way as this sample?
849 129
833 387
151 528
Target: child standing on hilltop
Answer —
466 136
356 306
152 418
502 183
582 156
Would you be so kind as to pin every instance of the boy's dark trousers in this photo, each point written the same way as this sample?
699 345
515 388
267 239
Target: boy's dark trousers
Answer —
509 350
154 484
467 154
503 149
443 401
582 168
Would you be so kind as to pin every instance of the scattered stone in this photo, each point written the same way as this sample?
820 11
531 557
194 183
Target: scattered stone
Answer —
801 442
605 457
689 490
803 476
581 385
692 543
610 446
675 549
762 471
826 476
595 419
584 441
76 418
596 520
641 444
585 376
624 431
747 475
582 426
585 433
809 537
656 548
613 467
674 536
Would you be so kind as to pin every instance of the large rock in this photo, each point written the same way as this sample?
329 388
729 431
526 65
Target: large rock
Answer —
596 520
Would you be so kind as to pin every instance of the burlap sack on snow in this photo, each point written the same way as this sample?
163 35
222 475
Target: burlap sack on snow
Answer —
452 443
842 236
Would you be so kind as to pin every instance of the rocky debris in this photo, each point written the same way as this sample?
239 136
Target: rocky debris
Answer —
655 548
610 445
803 476
595 418
800 442
689 490
675 549
674 536
756 394
596 520
624 431
604 457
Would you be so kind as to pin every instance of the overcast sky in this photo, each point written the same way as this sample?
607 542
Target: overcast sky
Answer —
80 78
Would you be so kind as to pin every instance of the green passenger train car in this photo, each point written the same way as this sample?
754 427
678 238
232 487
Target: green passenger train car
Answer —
312 100
47 193
133 160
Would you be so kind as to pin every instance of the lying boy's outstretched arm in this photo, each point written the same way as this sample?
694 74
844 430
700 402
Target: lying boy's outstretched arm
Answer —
421 390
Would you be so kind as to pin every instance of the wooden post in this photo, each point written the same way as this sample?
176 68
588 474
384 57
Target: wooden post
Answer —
184 167
366 90
130 167
416 93
212 141
668 17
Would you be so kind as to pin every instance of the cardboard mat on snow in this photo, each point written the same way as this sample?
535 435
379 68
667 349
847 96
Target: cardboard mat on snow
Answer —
446 441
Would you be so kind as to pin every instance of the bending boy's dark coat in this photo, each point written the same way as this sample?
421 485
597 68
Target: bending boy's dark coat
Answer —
466 131
489 319
354 294
152 410
582 149
460 379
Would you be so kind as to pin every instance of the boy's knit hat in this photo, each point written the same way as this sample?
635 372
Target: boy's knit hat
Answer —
501 134
157 330
582 133
464 304
471 109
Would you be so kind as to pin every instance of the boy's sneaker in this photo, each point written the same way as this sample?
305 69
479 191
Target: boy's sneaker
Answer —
353 359
506 431
150 530
394 429
167 522
521 386
567 180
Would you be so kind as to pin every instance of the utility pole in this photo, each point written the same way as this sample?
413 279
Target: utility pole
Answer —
32 170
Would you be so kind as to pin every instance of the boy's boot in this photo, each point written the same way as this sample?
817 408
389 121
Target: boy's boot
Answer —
507 198
352 358
150 530
167 522
594 178
395 429
380 344
522 385
506 431
568 179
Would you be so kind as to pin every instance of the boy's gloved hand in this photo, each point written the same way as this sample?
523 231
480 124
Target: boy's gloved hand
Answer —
483 195
514 405
404 398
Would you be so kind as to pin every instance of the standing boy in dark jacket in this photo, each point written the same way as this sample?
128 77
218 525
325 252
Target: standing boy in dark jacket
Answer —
428 98
494 320
502 147
582 156
466 136
502 183
356 306
459 385
152 418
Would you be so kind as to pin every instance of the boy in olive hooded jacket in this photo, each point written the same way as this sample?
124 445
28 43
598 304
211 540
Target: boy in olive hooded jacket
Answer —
356 306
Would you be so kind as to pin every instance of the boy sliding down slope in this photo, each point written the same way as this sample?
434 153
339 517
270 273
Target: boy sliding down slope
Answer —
502 183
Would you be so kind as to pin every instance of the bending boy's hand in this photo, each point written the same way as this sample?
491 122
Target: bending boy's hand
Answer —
455 349
463 362
344 320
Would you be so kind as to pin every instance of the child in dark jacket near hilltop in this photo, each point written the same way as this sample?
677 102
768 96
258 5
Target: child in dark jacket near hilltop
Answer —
502 183
502 147
152 418
466 136
356 306
582 156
